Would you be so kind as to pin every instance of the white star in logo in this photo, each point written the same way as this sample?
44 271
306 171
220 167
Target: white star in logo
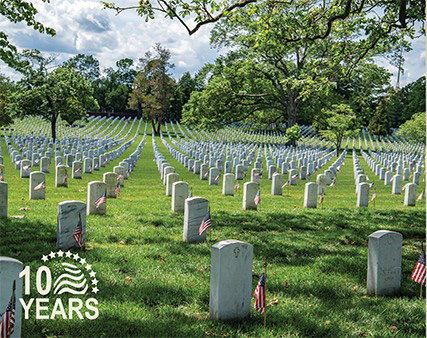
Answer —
68 254
92 273
94 281
76 257
60 253
52 254
45 258
95 290
88 267
83 261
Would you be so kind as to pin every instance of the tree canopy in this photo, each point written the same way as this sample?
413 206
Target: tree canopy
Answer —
18 11
383 17
153 86
336 123
271 79
414 129
61 92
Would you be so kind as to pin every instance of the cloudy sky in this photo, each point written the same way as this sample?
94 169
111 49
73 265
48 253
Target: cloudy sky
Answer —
82 26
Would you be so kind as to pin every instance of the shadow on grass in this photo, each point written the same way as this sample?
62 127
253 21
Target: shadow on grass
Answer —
26 241
325 245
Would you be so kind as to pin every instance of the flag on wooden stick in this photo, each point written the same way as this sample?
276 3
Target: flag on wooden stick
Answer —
257 199
419 273
78 233
101 200
206 223
117 190
260 299
7 325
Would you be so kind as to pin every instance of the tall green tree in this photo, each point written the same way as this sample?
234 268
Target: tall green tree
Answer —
153 87
180 96
7 88
61 92
112 88
414 130
336 123
87 65
269 78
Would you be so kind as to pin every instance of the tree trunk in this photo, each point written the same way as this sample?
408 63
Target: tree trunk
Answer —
291 112
53 127
139 110
153 125
159 125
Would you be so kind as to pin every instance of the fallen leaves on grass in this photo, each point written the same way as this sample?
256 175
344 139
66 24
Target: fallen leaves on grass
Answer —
393 328
273 301
18 216
128 278
122 243
286 285
24 209
160 258
355 288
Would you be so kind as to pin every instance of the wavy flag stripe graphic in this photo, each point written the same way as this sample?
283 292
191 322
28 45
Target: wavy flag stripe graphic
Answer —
73 281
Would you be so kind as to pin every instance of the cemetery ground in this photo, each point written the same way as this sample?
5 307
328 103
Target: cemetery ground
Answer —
154 284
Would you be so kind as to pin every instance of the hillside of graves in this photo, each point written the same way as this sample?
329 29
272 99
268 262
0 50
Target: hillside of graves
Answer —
126 207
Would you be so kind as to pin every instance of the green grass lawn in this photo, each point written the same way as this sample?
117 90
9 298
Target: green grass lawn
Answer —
153 284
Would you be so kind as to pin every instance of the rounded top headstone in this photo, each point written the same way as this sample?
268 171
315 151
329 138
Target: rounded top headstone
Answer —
382 233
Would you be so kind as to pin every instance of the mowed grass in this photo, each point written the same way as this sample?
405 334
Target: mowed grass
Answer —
153 284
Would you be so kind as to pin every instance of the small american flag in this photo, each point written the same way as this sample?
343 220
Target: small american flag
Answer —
421 196
66 180
216 178
206 223
120 177
78 233
404 188
419 273
322 198
294 177
374 195
371 185
332 184
207 174
78 170
7 325
257 175
101 200
191 193
40 186
1 178
96 166
237 186
27 167
117 190
260 303
257 199
127 173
